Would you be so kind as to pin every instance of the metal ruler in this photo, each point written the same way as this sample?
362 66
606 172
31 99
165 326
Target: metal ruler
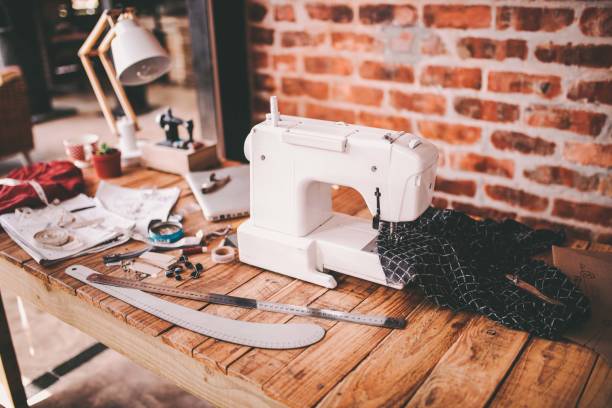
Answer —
382 321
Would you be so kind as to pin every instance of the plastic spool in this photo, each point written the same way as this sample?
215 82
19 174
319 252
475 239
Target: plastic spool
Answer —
223 254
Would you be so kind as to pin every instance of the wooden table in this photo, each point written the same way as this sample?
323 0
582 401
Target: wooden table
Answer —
440 359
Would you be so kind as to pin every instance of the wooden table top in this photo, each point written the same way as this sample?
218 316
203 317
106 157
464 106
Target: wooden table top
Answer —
441 359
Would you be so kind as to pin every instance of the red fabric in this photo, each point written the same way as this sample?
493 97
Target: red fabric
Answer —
59 179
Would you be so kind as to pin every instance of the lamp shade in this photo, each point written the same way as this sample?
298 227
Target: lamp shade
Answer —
138 57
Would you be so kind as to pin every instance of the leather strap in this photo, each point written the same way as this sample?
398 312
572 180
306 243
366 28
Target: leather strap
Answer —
263 335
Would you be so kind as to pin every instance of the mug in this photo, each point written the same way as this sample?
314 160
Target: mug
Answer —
80 149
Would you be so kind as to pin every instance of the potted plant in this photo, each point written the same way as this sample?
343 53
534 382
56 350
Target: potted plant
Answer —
107 162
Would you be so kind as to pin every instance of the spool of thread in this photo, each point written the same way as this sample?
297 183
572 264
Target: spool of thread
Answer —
194 250
223 254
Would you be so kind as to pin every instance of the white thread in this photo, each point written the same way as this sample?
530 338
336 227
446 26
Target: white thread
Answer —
223 254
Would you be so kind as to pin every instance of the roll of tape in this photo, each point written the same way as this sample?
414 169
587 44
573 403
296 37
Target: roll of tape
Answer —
165 231
223 254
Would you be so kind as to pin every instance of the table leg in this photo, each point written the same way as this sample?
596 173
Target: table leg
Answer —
9 369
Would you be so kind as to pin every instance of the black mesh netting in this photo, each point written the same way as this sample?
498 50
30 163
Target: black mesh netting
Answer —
462 263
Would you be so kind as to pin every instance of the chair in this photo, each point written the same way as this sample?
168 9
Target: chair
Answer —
15 120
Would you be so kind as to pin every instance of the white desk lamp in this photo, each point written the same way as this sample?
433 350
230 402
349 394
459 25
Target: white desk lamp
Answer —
139 59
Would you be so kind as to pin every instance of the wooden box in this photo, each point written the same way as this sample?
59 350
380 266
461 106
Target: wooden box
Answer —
179 161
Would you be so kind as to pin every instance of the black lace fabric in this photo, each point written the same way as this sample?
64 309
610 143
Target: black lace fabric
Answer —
462 264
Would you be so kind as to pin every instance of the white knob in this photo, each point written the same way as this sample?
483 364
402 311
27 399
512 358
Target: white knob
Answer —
412 143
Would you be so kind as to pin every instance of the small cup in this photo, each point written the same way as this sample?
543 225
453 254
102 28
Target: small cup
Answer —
80 149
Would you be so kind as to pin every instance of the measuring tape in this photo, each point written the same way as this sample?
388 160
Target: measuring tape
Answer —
165 231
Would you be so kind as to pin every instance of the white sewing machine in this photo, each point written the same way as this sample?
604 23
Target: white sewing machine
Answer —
295 161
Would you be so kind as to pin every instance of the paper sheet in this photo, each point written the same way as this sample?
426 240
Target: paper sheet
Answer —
591 272
139 205
88 229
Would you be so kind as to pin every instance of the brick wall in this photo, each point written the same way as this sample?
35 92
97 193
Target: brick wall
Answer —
517 95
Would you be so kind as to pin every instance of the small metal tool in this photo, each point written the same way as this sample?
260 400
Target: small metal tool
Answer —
382 321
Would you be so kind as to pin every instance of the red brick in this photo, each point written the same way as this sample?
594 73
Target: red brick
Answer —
328 65
256 11
287 107
348 41
487 48
449 133
262 36
384 121
520 142
386 72
562 176
402 15
517 198
492 111
329 113
338 13
432 44
304 87
457 16
578 121
264 82
570 231
592 91
596 22
439 202
590 154
534 18
301 39
450 77
482 164
587 212
586 55
456 187
361 95
483 212
284 12
419 102
284 62
547 86
259 59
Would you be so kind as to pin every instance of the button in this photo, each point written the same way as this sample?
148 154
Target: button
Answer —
412 143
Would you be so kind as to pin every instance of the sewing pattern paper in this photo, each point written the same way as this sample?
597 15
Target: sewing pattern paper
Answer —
85 226
139 205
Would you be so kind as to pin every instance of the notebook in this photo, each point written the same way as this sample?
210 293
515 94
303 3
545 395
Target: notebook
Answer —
230 201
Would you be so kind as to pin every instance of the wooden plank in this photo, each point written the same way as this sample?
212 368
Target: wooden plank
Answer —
221 279
549 374
396 368
10 376
218 354
598 391
307 378
469 373
149 352
262 286
348 201
259 365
